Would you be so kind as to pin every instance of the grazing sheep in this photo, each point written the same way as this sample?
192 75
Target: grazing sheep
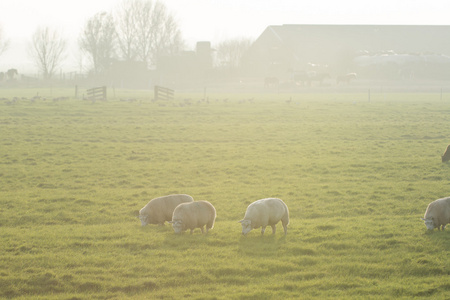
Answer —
437 214
160 209
446 156
193 215
265 212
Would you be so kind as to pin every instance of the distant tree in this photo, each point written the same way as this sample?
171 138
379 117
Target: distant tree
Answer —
229 53
126 28
47 49
146 30
4 43
98 41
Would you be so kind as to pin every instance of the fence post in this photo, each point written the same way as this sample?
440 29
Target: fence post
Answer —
104 93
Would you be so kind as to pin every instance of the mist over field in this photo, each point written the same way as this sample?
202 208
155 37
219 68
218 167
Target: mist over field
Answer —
124 44
229 103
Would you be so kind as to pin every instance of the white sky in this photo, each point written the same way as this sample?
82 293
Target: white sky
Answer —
211 20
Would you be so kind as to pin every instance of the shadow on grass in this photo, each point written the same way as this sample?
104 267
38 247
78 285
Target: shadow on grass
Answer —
260 245
439 237
185 240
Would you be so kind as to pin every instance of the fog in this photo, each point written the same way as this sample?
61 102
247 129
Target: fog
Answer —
285 57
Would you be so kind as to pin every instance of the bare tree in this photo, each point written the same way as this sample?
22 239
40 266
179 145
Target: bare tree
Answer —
146 30
98 41
168 37
230 52
126 27
4 43
47 49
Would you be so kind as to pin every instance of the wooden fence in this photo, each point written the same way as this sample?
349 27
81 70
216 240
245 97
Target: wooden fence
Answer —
97 93
162 93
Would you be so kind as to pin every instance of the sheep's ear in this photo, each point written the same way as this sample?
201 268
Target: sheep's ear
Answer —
170 222
422 219
240 221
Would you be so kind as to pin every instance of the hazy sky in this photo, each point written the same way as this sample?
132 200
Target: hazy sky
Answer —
213 20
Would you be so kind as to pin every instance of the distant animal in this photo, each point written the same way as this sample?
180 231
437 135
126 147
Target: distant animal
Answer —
160 209
271 81
437 214
264 212
446 156
346 78
318 77
197 214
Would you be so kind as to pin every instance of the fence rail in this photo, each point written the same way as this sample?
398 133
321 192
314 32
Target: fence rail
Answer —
162 93
97 93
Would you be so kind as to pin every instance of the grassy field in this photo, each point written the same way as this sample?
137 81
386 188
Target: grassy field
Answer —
356 175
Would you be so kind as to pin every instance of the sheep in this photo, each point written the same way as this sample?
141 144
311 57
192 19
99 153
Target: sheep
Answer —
446 156
160 209
265 212
437 214
193 215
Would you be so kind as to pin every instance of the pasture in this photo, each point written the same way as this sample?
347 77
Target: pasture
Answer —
356 176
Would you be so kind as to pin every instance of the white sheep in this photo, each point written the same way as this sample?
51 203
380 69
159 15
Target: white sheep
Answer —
265 212
193 215
160 209
437 214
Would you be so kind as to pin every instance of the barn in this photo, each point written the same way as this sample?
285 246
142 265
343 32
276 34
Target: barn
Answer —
371 51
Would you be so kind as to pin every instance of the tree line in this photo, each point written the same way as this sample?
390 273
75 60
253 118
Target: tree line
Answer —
136 30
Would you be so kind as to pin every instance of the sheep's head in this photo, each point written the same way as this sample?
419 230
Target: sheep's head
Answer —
143 219
177 225
429 223
246 226
446 156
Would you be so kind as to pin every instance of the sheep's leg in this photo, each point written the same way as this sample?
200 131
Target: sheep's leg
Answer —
201 228
263 229
285 224
192 230
274 228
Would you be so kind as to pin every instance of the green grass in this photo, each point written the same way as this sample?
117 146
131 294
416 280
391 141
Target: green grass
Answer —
356 175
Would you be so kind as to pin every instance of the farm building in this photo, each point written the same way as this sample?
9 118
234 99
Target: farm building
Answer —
372 51
187 67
